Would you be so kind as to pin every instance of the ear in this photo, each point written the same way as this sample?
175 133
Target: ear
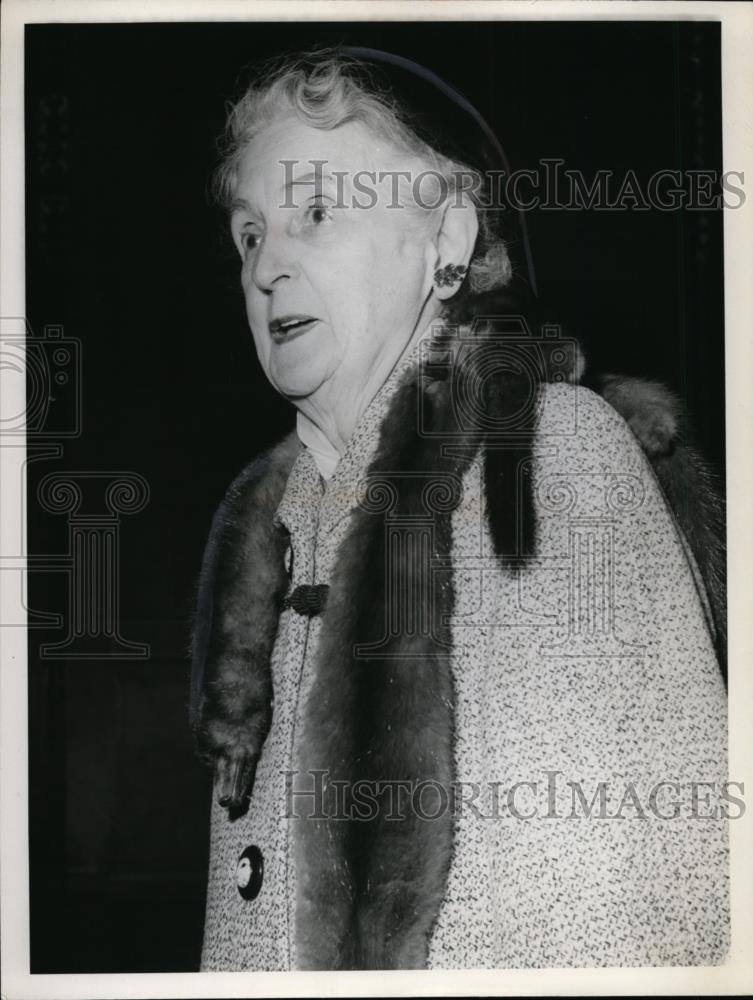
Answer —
455 240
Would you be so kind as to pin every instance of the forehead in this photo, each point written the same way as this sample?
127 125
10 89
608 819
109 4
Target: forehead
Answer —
291 149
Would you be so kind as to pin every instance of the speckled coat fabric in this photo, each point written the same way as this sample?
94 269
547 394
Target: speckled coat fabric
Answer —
580 687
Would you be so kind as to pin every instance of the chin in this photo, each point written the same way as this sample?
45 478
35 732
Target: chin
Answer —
295 371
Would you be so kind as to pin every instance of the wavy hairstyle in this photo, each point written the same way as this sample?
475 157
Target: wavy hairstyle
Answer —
325 89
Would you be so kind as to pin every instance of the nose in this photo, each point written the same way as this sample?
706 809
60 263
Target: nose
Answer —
274 260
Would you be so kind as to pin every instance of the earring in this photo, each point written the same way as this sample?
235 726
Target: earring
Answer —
449 274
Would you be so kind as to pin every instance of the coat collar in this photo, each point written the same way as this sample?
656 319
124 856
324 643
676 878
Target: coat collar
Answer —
367 891
335 496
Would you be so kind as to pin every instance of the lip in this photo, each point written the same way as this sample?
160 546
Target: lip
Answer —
285 328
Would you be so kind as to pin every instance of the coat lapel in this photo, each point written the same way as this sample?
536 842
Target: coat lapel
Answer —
380 729
372 862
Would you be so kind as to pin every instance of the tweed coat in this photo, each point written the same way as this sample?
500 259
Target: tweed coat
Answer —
561 736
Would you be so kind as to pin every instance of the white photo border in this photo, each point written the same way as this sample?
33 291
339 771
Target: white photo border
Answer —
736 976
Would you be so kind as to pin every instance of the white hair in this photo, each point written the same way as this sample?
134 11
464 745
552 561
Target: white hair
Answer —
324 90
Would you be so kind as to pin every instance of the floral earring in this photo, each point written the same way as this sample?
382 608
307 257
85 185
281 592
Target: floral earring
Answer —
449 274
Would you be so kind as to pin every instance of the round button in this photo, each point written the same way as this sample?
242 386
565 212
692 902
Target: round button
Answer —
250 872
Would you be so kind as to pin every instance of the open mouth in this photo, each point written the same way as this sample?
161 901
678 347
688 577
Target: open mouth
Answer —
287 327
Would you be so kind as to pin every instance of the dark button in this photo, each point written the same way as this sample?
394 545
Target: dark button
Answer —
250 872
308 599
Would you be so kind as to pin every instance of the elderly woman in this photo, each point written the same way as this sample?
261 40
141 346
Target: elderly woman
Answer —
454 661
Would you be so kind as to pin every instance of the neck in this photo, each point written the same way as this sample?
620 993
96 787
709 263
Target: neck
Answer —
334 415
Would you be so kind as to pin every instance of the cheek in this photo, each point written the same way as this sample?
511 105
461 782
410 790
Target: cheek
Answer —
401 278
380 298
256 313
262 346
394 267
337 290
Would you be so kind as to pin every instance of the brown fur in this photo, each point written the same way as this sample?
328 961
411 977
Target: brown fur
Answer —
368 890
241 583
655 415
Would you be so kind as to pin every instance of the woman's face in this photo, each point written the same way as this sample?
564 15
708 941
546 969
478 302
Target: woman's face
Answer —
333 292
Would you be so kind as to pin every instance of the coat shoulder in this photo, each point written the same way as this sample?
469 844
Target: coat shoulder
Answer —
579 429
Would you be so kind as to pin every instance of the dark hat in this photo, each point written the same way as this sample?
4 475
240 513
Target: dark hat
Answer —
442 117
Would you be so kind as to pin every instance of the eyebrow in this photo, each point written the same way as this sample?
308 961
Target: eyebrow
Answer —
241 205
322 175
312 174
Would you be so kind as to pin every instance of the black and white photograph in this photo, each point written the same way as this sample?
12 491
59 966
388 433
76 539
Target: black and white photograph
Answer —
375 438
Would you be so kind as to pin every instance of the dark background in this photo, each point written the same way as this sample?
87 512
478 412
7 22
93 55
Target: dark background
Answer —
124 252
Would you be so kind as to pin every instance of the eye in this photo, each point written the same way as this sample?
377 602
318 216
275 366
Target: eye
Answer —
318 214
249 241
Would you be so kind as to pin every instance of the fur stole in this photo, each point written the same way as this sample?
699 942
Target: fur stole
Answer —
690 485
369 888
242 579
